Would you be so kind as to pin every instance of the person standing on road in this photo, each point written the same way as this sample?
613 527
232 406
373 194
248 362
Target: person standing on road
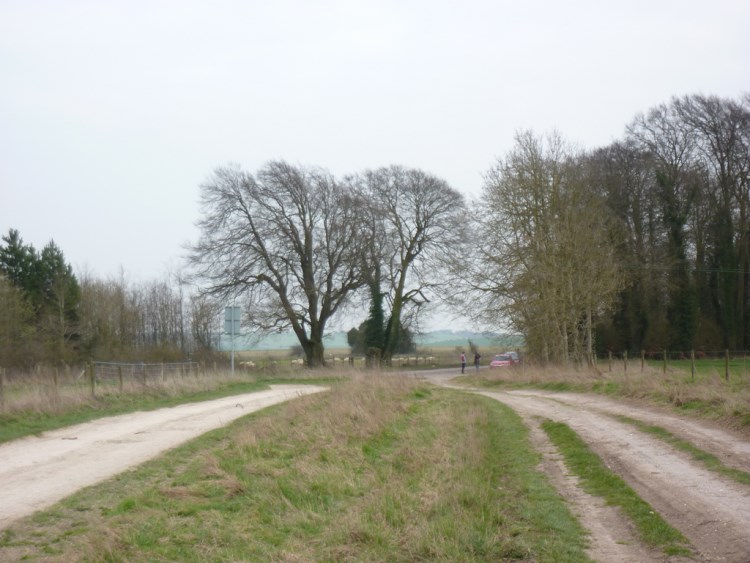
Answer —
476 361
463 362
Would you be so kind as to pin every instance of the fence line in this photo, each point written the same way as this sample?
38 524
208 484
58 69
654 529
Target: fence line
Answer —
728 358
140 371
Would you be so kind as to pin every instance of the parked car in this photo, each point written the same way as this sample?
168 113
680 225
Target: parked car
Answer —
501 361
513 356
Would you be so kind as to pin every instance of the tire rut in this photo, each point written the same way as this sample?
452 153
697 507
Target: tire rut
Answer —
711 511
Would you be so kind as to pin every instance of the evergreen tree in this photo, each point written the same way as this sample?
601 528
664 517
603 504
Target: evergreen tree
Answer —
18 262
49 286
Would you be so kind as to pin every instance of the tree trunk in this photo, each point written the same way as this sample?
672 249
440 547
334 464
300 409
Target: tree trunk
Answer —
314 353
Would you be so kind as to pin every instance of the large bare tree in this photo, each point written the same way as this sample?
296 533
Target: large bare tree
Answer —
285 241
414 220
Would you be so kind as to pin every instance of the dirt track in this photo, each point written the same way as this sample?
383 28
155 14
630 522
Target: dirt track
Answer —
37 472
712 511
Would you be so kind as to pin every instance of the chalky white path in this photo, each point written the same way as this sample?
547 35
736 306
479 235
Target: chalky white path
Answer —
37 472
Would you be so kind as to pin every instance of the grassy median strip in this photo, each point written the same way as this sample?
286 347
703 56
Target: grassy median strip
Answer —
709 461
381 468
596 479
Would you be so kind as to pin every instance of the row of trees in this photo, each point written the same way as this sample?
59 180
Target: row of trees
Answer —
50 315
39 298
297 246
545 260
642 244
679 183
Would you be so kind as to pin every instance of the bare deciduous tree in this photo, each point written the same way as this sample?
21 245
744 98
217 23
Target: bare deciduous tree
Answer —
285 241
414 221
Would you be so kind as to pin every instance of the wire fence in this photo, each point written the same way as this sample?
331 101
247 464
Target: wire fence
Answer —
726 362
141 372
105 377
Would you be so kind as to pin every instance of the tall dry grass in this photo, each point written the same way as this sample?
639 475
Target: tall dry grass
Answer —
52 392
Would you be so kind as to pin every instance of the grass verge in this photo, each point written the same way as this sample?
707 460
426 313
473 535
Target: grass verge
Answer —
709 461
596 479
381 468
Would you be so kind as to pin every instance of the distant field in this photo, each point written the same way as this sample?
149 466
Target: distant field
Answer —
338 341
423 357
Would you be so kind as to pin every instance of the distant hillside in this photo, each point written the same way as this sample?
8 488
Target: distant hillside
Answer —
434 339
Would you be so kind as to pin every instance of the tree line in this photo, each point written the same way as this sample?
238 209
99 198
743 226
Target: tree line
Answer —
48 315
639 245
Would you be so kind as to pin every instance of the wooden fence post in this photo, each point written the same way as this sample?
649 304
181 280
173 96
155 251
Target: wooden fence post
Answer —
609 354
726 364
625 360
119 377
643 360
692 365
664 370
92 379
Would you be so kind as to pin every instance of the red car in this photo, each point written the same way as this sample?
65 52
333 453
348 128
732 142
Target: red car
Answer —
501 361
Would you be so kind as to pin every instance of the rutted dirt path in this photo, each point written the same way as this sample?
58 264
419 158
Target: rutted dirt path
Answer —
713 512
611 536
37 472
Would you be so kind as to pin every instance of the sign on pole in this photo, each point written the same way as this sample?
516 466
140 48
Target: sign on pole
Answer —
232 317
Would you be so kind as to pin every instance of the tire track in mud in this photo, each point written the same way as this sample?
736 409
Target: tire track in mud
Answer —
711 511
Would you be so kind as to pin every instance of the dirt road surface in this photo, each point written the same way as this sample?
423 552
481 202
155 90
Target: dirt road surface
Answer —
712 511
37 472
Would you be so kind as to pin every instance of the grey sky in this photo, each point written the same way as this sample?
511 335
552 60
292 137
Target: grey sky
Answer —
113 112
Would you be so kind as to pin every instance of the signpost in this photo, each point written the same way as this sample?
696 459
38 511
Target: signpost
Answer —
232 316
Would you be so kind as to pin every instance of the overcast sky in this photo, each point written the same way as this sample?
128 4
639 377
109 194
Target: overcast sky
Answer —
113 112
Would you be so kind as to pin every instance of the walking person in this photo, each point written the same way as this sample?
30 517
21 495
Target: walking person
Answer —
476 361
463 362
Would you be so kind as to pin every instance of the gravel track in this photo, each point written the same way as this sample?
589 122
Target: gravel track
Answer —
712 511
38 471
